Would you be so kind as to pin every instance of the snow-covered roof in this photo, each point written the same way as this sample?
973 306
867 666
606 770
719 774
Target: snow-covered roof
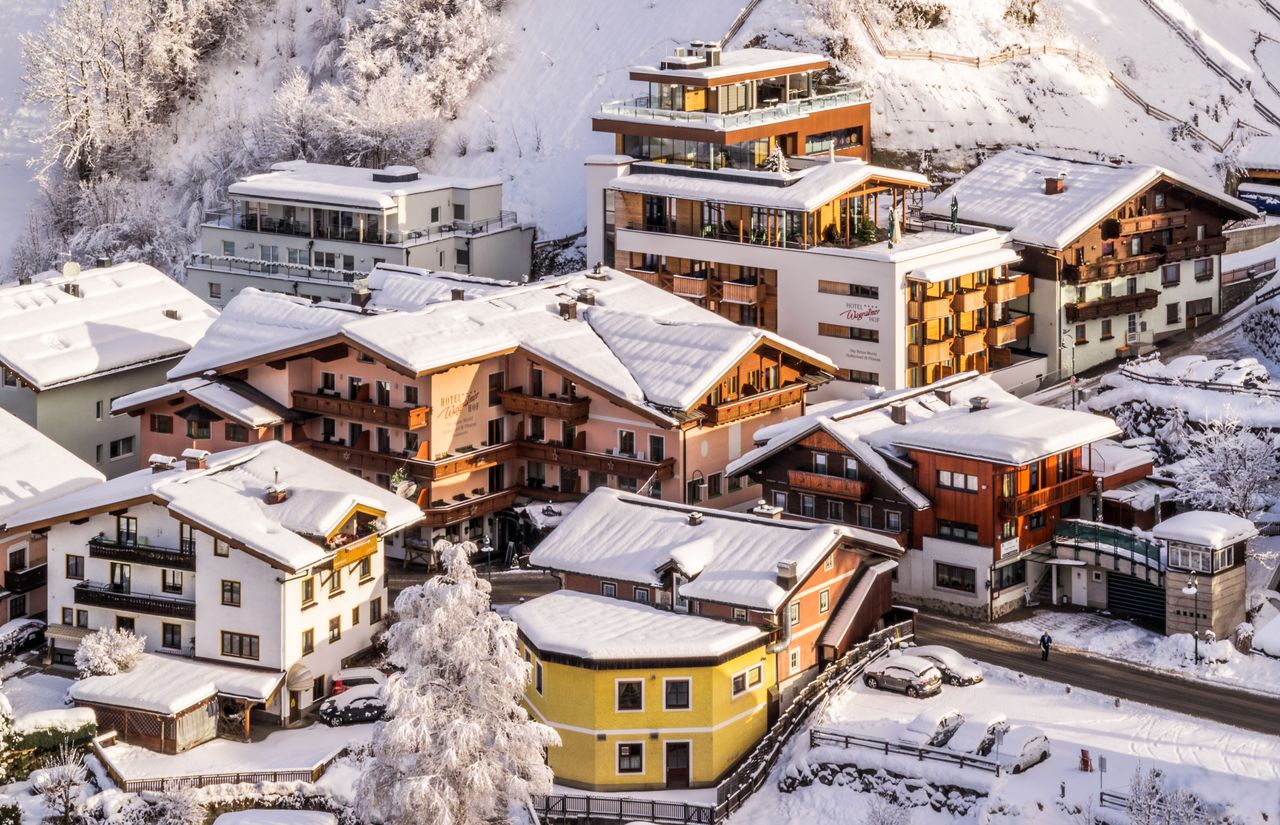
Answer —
731 558
636 342
1007 191
1204 528
735 62
599 628
1108 458
349 186
946 270
1140 494
112 318
237 401
1261 152
802 190
171 684
34 469
229 499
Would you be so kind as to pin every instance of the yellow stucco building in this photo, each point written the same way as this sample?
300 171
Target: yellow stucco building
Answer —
643 698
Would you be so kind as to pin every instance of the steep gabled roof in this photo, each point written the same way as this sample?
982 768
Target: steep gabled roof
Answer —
230 398
34 469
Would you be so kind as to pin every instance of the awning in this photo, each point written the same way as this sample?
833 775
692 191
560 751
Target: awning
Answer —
66 633
946 270
300 677
1067 562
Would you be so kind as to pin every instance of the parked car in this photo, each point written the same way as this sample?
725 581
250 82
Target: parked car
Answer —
1022 748
20 634
956 669
350 677
357 705
978 733
911 675
932 727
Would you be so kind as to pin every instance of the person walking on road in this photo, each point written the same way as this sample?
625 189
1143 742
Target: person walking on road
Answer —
1045 641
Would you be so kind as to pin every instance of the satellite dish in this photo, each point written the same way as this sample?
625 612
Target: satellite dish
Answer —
407 489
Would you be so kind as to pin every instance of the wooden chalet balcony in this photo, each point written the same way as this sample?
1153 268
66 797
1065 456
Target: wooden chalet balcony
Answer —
406 418
969 343
1074 487
930 309
453 512
1116 305
930 352
650 278
24 581
762 402
1010 331
1193 249
423 470
736 293
596 462
839 486
969 300
573 410
689 287
1112 268
1153 222
1015 287
92 594
174 558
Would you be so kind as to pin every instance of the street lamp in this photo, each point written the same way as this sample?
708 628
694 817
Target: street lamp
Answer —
1069 342
1191 589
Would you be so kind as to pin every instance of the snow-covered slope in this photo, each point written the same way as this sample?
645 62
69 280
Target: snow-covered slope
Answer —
18 123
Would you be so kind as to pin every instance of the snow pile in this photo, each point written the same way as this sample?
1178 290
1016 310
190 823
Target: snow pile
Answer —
60 719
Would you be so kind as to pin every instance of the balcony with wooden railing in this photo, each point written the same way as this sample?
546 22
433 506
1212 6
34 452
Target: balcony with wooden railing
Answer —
617 463
407 418
1154 222
689 287
573 409
750 405
422 469
1072 488
27 579
92 594
930 309
1113 268
175 558
650 278
969 343
454 512
1015 287
968 300
1116 305
1011 330
740 293
930 352
838 486
1187 250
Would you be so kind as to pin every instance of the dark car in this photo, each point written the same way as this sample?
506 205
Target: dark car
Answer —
354 706
21 634
906 674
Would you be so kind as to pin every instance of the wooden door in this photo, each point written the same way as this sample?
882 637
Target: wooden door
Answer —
295 706
677 762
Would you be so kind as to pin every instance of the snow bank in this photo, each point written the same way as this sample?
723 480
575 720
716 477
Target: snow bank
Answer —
62 719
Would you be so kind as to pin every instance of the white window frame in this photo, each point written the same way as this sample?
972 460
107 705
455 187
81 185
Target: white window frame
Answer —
686 679
605 587
747 684
617 758
793 614
617 683
829 564
793 661
824 600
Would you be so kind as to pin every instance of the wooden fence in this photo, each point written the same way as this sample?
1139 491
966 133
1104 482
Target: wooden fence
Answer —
1128 372
1266 295
1246 273
922 753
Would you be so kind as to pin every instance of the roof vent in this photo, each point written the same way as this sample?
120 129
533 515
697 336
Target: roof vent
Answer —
944 396
787 574
173 315
978 402
396 174
196 459
277 492
568 310
873 392
1055 185
765 510
72 289
71 269
160 463
457 294
695 518
587 296
360 293
898 412
102 261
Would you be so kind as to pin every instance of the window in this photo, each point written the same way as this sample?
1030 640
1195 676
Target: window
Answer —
835 511
497 383
957 481
366 569
609 589
375 610
893 521
1170 274
1035 521
161 423
17 606
855 290
854 333
864 515
951 577
122 447
824 601
793 661
82 618
296 256
237 432
1009 576
747 679
335 629
859 376
793 614
221 548
335 583
1203 306
1081 338
713 485
626 442
230 593
308 641
10 378
171 581
820 463
829 564
657 448
780 499
1105 332
676 694
68 616
459 211
75 567
640 594
197 429
1172 313
1200 232
171 636
630 757
1203 269
807 505
693 491
739 614
958 532
355 615
1135 245
215 290
630 694
239 645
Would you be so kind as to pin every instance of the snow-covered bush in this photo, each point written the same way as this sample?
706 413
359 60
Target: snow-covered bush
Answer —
881 811
63 783
108 651
1166 426
457 746
918 14
1262 329
178 806
1023 12
1152 802
1228 468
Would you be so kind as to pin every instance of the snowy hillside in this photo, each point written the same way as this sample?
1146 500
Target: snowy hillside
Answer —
18 123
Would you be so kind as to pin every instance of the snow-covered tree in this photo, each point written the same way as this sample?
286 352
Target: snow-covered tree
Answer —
1228 468
62 782
1152 802
457 746
108 651
881 811
178 806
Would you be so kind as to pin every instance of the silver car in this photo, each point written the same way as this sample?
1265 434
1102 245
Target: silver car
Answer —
911 675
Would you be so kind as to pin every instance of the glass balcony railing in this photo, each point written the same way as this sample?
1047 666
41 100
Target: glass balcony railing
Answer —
639 108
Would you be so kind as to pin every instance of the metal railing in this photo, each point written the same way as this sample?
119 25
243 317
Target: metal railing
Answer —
640 108
176 558
923 753
105 595
253 266
222 218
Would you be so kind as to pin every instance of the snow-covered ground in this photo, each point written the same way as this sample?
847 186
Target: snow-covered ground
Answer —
36 692
18 123
1224 765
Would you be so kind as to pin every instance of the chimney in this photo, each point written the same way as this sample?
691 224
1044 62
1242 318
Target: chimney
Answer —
898 412
977 403
196 459
102 262
695 518
568 310
160 463
765 510
360 295
787 574
24 280
1054 185
587 296
457 294
944 396
173 314
277 492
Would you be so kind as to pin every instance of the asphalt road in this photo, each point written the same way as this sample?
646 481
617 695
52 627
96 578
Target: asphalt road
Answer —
1232 707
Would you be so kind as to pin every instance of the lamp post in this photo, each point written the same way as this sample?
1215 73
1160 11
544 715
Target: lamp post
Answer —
1192 589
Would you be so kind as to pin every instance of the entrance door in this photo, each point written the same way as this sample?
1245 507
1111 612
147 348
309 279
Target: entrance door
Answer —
295 706
677 763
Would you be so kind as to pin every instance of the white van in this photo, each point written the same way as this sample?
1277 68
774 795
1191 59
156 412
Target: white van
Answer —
1022 748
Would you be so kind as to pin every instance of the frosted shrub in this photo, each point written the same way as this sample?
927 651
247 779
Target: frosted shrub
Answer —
1229 468
62 783
918 14
881 811
1262 329
1024 13
108 651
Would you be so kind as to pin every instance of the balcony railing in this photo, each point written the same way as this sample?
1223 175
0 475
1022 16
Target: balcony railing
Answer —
422 469
408 418
222 218
590 461
183 558
738 293
573 410
930 352
1072 488
1117 305
92 594
969 300
689 286
1015 287
253 266
1010 331
24 581
839 486
1193 249
650 278
443 515
930 309
752 405
639 109
1153 222
1113 268
969 343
